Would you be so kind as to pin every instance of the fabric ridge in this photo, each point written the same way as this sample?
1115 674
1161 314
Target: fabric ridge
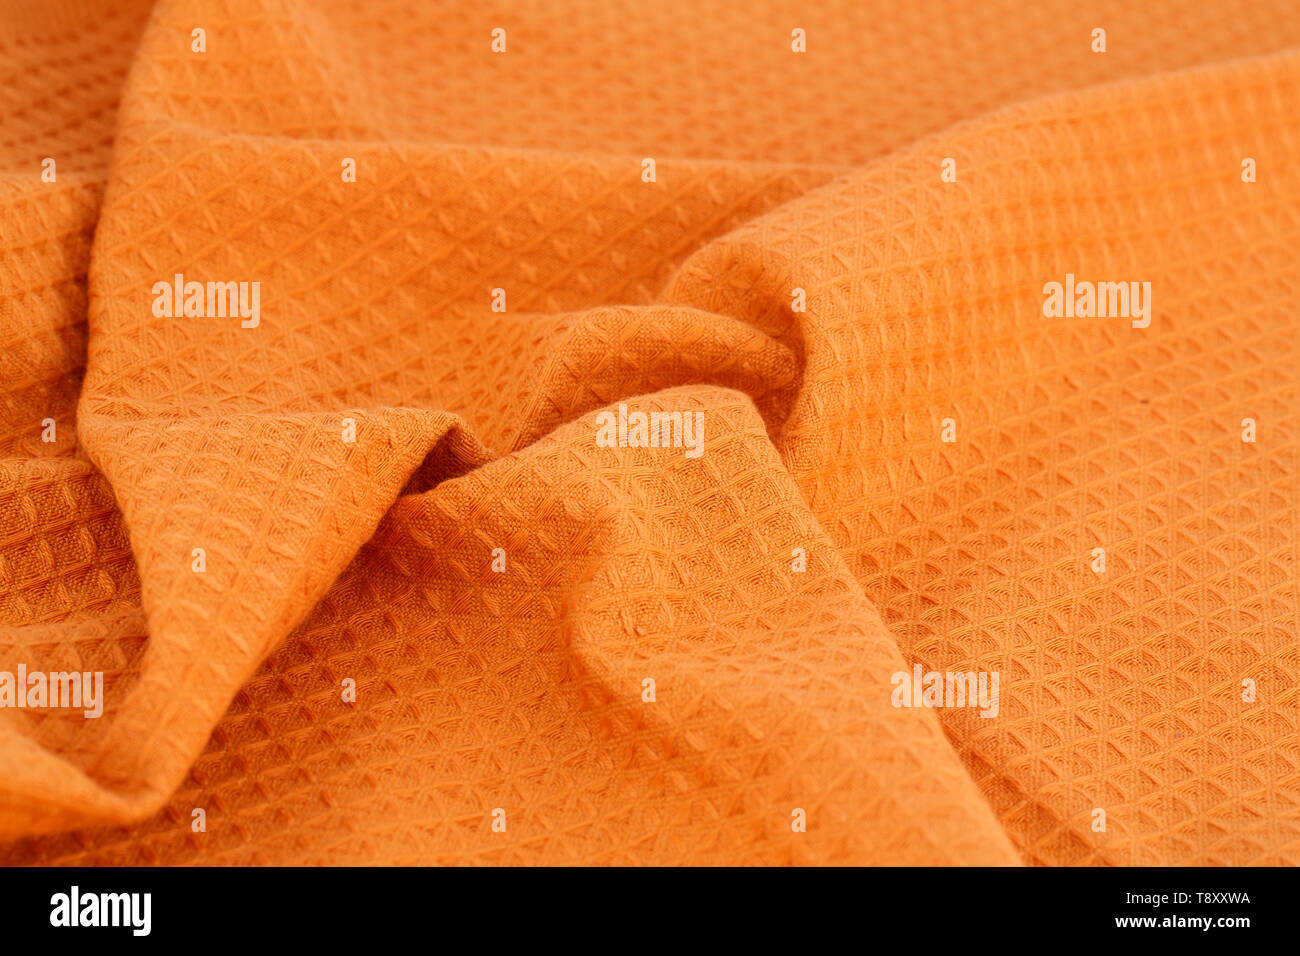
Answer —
677 434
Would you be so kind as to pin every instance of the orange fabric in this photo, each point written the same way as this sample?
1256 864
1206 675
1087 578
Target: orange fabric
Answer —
521 689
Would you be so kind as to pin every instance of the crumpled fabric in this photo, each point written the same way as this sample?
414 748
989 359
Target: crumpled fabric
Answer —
905 462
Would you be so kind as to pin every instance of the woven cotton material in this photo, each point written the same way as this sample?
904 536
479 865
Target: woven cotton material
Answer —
942 456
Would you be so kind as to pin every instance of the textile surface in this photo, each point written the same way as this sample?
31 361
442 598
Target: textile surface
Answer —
834 258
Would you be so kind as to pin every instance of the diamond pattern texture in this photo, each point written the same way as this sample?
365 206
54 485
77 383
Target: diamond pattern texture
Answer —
373 560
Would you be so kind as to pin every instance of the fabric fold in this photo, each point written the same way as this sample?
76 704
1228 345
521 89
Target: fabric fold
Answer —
572 445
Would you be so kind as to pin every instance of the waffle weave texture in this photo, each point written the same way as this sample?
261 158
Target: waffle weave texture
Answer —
522 690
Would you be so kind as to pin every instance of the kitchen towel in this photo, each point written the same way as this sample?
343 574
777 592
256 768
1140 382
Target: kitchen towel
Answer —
616 432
